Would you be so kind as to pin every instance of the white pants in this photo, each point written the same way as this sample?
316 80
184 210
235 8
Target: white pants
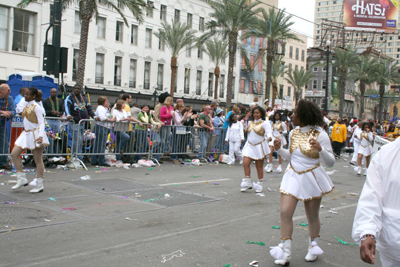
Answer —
234 148
356 145
388 262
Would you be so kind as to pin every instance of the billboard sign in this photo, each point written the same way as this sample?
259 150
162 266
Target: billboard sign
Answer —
371 15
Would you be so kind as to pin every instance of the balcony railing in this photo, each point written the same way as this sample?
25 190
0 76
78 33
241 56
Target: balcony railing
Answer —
198 91
186 90
99 79
117 81
132 84
146 85
160 86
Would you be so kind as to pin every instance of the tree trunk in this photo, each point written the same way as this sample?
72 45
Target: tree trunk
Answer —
274 90
174 66
296 96
270 58
342 90
232 51
216 73
86 15
381 93
362 93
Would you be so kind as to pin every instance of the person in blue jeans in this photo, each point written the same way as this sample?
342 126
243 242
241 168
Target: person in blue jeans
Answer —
101 130
7 111
218 121
204 131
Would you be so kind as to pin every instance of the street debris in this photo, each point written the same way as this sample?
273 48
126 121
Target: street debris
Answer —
352 194
7 202
47 220
276 227
260 194
257 243
166 195
333 210
303 224
70 208
271 190
168 257
130 219
254 263
216 183
344 242
86 177
52 199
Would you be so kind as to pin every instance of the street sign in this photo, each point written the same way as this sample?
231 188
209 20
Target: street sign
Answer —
373 96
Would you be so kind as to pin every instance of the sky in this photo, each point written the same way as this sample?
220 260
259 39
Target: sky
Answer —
304 9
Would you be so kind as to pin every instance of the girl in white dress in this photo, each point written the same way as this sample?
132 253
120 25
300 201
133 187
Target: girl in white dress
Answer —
365 148
33 138
305 178
235 136
278 131
259 133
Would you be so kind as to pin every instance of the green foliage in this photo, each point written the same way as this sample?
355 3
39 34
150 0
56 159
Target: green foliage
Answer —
299 78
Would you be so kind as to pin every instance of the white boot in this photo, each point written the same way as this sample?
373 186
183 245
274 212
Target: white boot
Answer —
33 182
359 170
39 186
246 184
313 249
282 253
21 181
268 168
258 187
365 173
279 169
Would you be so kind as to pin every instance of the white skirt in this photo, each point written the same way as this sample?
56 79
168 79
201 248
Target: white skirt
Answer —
26 140
283 141
306 186
365 151
256 152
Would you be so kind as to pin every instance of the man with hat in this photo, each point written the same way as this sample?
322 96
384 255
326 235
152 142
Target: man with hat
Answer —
266 104
218 121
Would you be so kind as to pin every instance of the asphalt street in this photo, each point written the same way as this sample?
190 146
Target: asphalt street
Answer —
171 215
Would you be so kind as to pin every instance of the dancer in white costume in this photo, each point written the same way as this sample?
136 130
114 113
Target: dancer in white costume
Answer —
33 138
259 133
235 136
378 211
278 131
356 143
305 178
365 148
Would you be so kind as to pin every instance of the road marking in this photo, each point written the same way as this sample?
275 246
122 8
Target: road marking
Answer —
196 182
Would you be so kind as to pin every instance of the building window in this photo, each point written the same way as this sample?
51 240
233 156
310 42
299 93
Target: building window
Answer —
75 64
245 41
296 67
199 53
132 73
163 13
189 20
315 69
314 84
261 42
302 55
119 31
221 86
177 16
323 84
297 53
188 51
24 26
3 27
259 87
160 77
77 28
186 88
324 69
252 60
242 85
251 87
290 67
117 71
149 33
289 91
149 12
101 28
99 78
253 41
201 24
260 64
281 91
210 83
291 52
134 34
146 84
161 45
198 82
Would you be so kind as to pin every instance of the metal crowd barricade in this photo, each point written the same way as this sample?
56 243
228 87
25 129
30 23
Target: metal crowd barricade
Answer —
216 144
100 138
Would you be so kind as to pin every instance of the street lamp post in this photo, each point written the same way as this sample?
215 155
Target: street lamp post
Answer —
154 97
328 43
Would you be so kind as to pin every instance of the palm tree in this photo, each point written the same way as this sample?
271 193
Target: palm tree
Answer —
275 26
363 71
345 59
386 73
89 8
227 19
217 50
299 78
176 37
278 70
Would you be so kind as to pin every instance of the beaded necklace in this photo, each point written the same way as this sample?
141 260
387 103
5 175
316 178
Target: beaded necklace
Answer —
52 104
82 106
4 104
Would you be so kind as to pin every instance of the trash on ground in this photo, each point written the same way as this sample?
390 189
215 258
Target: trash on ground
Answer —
333 210
70 208
322 206
271 190
227 265
12 181
168 257
260 194
135 165
331 172
303 224
7 202
47 220
276 227
254 263
52 199
352 194
130 219
257 243
124 197
86 177
344 242
166 195
150 169
195 176
216 183
104 169
150 199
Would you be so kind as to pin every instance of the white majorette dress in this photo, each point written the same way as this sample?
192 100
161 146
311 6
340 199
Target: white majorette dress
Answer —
278 131
33 116
305 178
256 146
365 148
